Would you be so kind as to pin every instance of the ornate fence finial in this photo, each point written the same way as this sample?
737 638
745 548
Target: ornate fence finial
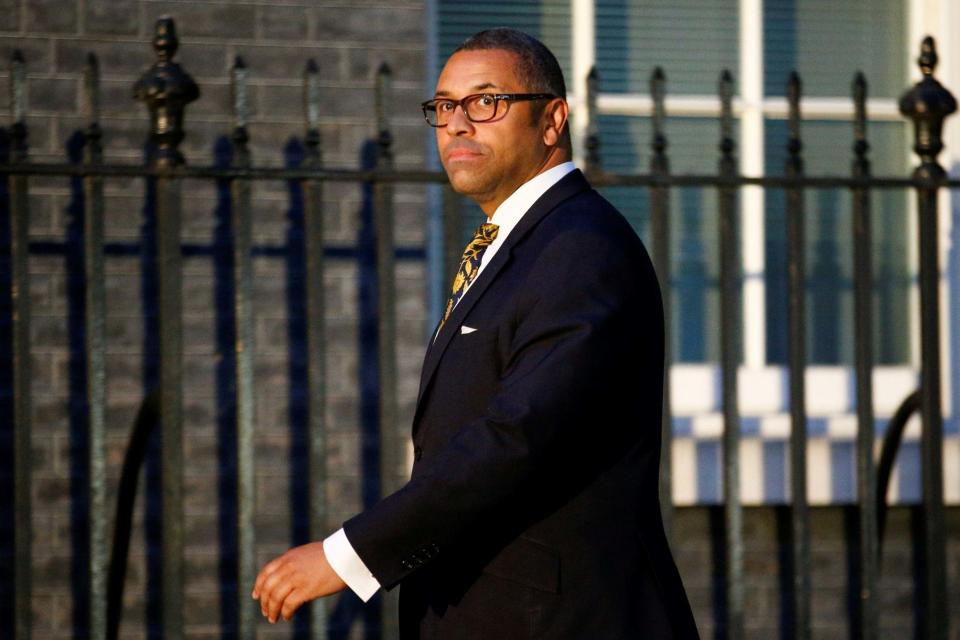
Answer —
928 104
241 112
794 142
728 163
166 89
860 144
658 82
384 137
91 108
311 109
18 107
592 143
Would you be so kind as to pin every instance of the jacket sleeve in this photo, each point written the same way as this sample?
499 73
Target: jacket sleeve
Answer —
580 330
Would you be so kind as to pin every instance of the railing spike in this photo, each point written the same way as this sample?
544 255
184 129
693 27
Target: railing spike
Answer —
860 145
241 108
592 143
727 145
384 137
91 86
311 104
928 56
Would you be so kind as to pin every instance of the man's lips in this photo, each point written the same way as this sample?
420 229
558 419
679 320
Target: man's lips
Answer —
461 153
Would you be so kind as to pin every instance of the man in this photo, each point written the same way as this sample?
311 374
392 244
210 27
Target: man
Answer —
532 510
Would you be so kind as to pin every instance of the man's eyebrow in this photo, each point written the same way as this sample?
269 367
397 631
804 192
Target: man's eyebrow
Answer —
475 89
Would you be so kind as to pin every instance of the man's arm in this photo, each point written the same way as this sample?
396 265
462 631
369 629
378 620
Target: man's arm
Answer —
589 334
277 579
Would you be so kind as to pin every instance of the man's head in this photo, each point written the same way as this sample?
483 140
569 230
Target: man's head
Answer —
537 67
487 159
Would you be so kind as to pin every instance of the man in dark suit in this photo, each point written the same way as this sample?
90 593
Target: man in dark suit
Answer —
532 510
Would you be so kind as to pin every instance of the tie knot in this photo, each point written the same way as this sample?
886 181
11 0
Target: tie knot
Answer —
486 233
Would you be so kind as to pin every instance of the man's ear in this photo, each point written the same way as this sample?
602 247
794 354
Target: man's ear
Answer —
554 121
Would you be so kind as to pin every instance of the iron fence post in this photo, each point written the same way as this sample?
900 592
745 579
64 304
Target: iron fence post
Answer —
390 473
316 374
928 104
660 241
22 368
863 354
166 90
729 363
244 336
95 312
796 326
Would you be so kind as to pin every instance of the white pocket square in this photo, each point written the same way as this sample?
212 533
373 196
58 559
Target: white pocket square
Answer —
465 329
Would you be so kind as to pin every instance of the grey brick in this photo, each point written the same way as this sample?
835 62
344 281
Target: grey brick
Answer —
52 94
51 16
282 23
36 52
275 62
405 65
127 58
368 24
206 19
9 15
113 17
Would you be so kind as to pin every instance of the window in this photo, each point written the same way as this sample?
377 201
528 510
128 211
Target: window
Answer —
760 42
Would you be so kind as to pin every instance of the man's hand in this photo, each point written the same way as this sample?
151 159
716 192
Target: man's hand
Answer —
298 576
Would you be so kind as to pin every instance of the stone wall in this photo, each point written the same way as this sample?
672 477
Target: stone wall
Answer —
348 41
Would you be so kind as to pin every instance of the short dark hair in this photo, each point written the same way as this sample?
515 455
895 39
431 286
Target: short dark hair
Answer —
538 69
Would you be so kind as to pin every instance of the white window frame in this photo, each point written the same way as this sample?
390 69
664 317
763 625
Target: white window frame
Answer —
693 383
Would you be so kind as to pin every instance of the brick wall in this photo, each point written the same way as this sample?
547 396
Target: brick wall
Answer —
348 40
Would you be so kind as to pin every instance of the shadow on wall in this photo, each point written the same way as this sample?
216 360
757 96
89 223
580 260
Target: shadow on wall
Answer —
220 251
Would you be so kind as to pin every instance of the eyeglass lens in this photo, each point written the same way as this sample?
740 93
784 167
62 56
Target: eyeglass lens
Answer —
478 108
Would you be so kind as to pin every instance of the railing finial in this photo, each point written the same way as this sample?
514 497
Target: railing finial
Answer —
166 89
18 106
382 96
311 105
658 89
928 56
592 143
928 104
165 41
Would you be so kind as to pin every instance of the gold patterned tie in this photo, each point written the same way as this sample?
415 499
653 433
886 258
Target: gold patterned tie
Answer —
469 265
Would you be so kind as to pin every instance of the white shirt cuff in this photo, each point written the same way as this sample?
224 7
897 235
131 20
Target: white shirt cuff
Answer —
348 565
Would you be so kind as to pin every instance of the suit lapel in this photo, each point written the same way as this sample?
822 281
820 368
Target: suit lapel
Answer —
568 186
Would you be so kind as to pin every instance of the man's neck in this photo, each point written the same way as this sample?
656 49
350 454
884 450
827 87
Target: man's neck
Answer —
555 158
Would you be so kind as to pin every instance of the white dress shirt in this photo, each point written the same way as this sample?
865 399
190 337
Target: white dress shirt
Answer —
340 553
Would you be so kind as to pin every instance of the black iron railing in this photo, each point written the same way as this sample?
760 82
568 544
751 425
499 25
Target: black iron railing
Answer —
166 89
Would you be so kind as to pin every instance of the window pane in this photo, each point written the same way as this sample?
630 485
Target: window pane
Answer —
547 20
625 147
827 41
829 249
693 40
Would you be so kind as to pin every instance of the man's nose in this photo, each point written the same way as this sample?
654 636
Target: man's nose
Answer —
459 123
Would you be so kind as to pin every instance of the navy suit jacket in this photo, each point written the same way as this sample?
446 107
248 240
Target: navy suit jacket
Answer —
532 510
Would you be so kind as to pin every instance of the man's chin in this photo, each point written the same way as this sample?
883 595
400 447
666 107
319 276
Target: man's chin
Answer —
466 185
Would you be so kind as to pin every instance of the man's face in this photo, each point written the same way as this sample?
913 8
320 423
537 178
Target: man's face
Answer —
487 161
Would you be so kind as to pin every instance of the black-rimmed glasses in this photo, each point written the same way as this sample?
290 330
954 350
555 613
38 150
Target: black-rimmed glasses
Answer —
478 107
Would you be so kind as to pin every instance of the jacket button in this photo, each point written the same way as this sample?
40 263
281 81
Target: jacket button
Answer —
417 453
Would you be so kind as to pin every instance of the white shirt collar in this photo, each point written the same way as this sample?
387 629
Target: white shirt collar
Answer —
510 211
